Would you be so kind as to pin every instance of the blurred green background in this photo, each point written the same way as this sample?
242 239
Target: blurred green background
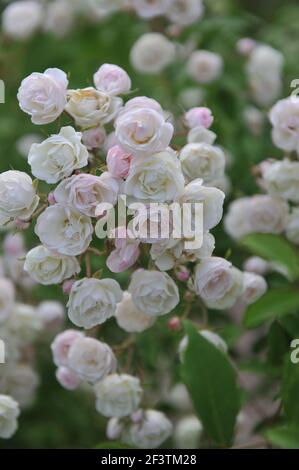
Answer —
59 418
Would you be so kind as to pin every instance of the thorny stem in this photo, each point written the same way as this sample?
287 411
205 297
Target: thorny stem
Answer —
39 211
124 345
95 251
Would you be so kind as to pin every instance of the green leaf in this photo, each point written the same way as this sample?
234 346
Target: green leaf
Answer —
278 344
273 304
276 249
212 384
285 436
290 391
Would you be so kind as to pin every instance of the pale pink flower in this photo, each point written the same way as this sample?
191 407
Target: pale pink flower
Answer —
126 250
118 162
200 116
67 378
61 345
112 79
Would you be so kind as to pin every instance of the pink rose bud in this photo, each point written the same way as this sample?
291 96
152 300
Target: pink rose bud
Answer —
22 224
201 116
94 138
245 46
183 274
67 286
67 378
137 416
51 199
118 162
174 324
126 250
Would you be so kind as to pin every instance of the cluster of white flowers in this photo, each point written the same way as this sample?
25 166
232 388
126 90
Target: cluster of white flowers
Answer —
277 211
20 325
21 19
91 170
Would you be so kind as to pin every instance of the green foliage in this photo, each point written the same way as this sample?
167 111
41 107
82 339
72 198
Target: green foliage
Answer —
290 392
276 249
286 437
275 303
212 384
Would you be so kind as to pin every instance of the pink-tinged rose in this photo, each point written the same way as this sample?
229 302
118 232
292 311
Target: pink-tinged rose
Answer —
118 162
67 378
61 345
94 138
245 46
13 244
84 192
112 79
199 117
126 250
51 199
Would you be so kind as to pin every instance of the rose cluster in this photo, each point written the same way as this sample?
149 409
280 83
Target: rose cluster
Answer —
114 150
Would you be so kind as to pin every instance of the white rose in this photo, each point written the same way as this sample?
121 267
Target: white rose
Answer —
152 53
90 107
264 70
51 313
178 397
129 318
211 198
58 156
9 411
256 265
24 322
112 79
22 382
20 20
292 227
185 12
201 135
84 192
204 66
187 433
47 268
150 8
218 283
7 298
284 117
153 292
260 213
93 301
91 359
43 95
59 18
64 230
254 286
281 179
141 127
151 432
18 198
166 253
202 161
118 395
155 178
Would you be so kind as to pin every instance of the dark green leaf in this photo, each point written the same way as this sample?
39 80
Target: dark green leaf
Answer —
278 344
276 249
212 384
272 305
